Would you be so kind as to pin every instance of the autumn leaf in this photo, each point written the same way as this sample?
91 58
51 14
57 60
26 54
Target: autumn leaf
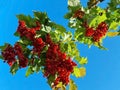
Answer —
112 34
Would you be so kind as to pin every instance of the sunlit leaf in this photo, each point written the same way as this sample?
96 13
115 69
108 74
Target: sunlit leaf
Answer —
60 86
112 34
114 25
99 18
30 22
83 61
79 72
82 71
14 68
72 85
29 71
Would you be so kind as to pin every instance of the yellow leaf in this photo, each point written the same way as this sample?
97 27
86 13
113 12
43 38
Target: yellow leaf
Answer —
83 60
82 71
79 72
112 34
72 85
60 86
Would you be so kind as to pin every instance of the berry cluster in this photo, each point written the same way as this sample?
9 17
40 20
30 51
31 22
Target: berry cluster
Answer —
23 61
97 34
29 33
38 45
57 63
100 31
10 53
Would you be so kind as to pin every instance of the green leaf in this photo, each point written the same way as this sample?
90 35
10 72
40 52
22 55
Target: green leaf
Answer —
98 18
113 4
72 49
25 42
58 28
76 72
4 46
68 15
51 79
114 25
1 57
79 72
72 85
16 34
55 36
29 71
14 68
67 37
98 44
30 22
83 61
60 86
42 17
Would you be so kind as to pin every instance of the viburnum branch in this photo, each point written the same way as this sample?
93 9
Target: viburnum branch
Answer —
48 47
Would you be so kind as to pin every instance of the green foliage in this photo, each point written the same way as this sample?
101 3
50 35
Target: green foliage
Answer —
113 4
14 68
79 72
2 48
29 71
100 17
30 22
51 79
1 57
113 26
112 34
93 16
72 85
60 86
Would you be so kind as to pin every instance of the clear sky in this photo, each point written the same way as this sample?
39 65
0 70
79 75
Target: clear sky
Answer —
103 68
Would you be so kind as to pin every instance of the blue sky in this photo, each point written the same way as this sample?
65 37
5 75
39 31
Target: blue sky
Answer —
103 66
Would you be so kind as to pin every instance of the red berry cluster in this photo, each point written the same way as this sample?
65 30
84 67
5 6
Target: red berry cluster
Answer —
100 31
10 53
29 33
97 34
57 63
89 32
23 61
38 45
78 14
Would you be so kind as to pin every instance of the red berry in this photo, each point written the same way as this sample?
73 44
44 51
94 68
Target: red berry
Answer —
89 32
57 63
9 55
100 31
